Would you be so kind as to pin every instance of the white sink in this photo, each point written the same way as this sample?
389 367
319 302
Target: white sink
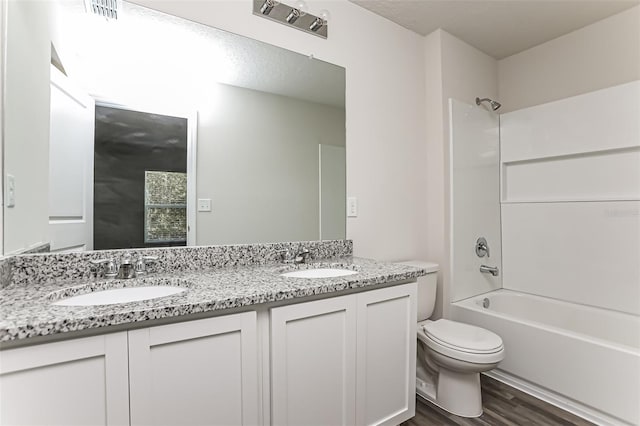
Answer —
120 295
319 273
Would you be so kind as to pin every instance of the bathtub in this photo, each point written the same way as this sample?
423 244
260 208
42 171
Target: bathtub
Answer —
581 358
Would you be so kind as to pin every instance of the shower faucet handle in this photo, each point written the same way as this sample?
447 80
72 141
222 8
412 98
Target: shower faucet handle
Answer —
482 248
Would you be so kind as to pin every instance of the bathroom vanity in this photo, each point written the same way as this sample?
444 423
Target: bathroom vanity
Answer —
241 345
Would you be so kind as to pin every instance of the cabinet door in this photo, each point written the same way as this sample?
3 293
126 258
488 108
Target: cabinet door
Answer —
201 372
313 354
75 382
386 372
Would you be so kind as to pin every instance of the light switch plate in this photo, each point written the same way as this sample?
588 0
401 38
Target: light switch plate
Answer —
352 207
10 201
204 204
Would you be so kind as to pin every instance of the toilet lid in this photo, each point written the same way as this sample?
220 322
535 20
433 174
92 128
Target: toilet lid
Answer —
463 337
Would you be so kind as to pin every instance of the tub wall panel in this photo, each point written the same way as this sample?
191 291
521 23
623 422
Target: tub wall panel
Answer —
570 185
579 252
475 170
600 120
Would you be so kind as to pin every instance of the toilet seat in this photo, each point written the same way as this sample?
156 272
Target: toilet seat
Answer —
461 341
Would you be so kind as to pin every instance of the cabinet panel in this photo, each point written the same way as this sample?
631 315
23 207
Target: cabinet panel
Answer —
313 363
386 360
75 382
195 373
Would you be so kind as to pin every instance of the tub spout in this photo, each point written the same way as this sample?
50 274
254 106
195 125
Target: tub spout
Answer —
493 270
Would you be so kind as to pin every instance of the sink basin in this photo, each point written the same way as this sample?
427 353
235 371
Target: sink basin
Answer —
120 295
319 273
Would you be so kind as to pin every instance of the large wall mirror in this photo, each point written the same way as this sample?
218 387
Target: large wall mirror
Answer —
150 130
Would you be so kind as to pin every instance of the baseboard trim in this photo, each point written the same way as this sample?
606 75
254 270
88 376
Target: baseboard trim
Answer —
573 407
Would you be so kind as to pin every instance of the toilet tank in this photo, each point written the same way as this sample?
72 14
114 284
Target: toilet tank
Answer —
427 287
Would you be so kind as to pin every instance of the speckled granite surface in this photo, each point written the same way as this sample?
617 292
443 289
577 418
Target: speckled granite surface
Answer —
26 310
37 268
5 271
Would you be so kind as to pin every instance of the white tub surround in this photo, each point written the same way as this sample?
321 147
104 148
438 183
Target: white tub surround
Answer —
584 359
571 199
475 175
569 205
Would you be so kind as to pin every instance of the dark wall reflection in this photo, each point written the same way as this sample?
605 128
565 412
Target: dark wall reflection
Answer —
126 144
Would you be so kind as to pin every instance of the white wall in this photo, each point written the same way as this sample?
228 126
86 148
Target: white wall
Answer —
385 110
435 165
454 69
571 199
258 161
26 122
3 26
604 54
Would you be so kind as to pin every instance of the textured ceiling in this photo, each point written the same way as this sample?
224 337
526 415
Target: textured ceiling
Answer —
499 28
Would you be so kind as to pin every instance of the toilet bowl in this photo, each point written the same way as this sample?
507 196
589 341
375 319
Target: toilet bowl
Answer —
451 355
456 354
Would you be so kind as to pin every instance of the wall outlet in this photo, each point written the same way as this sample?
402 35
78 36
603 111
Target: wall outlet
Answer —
10 200
204 204
352 207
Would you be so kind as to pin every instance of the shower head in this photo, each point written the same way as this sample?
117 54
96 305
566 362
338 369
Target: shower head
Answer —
494 105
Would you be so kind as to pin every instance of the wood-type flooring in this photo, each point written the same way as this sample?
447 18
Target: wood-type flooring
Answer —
503 405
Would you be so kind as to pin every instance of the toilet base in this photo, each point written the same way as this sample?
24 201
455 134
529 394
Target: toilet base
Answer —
456 393
460 393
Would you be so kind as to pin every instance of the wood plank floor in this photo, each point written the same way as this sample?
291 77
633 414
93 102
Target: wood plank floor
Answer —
503 405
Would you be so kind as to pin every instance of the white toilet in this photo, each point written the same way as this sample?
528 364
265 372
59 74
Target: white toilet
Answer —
451 355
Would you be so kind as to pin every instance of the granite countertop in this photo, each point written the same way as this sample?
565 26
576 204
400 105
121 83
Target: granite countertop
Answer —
26 310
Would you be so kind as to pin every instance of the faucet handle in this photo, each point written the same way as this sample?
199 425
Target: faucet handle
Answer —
142 262
482 248
108 266
285 255
302 256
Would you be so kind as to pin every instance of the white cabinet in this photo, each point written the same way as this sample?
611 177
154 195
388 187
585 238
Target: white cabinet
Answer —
200 372
345 360
76 382
313 347
386 362
190 373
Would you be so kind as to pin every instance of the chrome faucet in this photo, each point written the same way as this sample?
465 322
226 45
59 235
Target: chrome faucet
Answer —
301 256
126 269
493 270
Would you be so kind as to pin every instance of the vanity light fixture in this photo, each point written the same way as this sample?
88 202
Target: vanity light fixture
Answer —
320 21
293 15
267 7
300 9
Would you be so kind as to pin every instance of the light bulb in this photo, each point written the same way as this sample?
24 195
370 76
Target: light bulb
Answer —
325 15
302 7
